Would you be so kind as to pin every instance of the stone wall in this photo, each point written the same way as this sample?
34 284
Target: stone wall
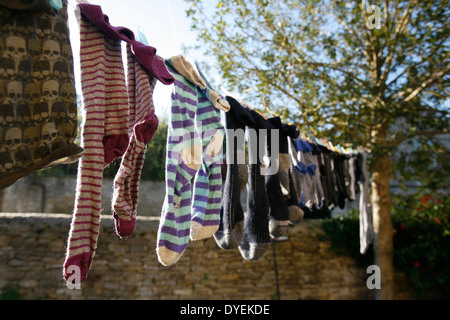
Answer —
47 194
32 248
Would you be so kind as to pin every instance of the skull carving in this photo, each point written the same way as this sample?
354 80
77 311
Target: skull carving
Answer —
14 92
50 91
51 51
13 139
40 69
67 53
68 131
34 47
60 31
40 111
23 113
16 48
49 133
60 69
32 93
31 137
24 70
67 93
59 111
43 27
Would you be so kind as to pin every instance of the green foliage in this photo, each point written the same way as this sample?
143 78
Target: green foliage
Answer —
10 292
317 64
343 234
421 242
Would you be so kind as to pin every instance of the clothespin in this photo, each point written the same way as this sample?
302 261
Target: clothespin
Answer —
202 75
318 141
141 36
56 4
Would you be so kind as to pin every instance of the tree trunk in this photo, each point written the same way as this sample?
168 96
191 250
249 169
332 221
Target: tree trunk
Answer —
381 171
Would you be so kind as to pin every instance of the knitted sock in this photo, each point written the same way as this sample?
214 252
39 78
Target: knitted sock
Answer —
184 150
145 123
287 132
320 195
103 86
305 169
296 214
231 226
256 237
207 192
279 213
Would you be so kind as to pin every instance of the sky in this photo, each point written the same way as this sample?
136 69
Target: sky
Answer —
164 24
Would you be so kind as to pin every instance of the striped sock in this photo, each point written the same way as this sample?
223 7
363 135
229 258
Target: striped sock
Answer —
207 193
184 151
144 124
103 134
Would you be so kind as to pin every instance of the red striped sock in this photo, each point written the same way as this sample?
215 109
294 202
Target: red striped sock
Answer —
145 123
103 135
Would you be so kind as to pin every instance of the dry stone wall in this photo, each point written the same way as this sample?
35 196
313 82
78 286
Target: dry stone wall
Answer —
32 248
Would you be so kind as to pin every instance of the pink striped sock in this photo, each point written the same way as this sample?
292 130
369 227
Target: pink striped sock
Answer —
145 123
103 135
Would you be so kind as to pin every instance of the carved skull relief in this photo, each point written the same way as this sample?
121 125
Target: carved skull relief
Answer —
50 91
40 111
43 27
31 137
49 133
67 129
32 93
16 48
34 47
13 139
14 92
67 93
40 69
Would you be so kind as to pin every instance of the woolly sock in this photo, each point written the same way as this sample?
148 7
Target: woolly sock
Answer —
184 151
145 123
294 172
103 87
287 132
296 214
305 169
207 192
279 213
231 226
338 170
329 180
319 196
256 238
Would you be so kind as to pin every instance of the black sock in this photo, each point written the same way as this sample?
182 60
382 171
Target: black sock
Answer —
230 232
279 213
256 237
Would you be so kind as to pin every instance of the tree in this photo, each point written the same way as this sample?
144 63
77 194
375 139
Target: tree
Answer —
357 73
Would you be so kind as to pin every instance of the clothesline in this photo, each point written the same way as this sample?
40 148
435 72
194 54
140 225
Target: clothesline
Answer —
119 121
